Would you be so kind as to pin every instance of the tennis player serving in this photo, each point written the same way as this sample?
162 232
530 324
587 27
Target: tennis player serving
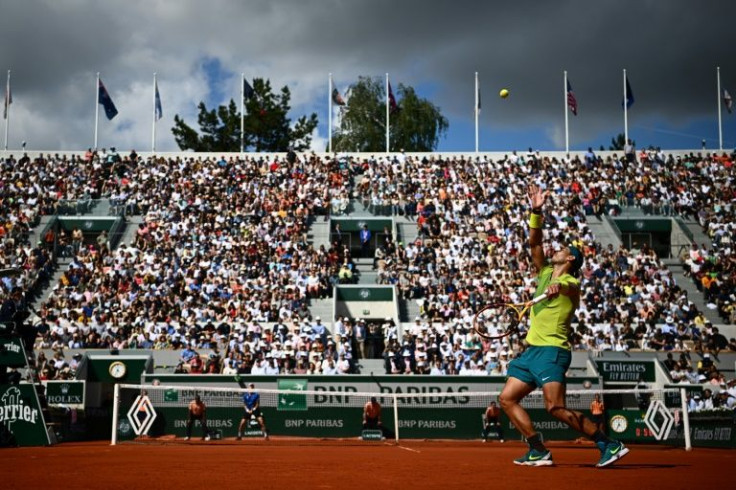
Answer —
547 358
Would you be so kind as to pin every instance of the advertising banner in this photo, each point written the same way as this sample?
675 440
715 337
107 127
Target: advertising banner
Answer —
21 419
68 393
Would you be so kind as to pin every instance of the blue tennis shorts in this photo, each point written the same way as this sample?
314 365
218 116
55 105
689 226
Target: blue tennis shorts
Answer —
540 365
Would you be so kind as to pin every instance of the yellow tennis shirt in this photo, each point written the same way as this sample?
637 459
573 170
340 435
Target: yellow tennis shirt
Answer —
550 319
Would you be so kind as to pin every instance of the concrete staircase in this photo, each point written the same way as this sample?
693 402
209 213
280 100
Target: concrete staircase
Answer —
322 308
318 233
405 229
131 227
695 231
408 310
365 273
62 265
687 284
604 231
35 234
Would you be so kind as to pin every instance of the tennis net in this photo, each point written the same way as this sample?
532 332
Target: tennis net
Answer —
160 413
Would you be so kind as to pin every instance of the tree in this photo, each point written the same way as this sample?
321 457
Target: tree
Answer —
267 127
416 125
618 143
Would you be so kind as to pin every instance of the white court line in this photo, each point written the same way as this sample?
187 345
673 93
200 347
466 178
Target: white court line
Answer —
408 449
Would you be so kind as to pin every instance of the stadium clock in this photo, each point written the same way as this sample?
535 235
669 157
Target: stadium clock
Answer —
619 423
117 369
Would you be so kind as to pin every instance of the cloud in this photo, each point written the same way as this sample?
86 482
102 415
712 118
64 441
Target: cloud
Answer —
670 49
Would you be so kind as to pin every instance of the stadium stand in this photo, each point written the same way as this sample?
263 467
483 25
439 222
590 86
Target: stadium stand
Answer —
220 257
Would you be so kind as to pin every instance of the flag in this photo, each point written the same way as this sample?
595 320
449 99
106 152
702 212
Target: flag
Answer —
337 98
727 101
9 100
159 109
393 106
572 102
478 100
248 91
629 96
104 98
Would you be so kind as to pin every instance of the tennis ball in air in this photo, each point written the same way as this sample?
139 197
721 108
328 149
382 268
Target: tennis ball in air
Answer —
504 93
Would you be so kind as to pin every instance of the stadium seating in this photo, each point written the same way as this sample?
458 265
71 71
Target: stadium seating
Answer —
218 257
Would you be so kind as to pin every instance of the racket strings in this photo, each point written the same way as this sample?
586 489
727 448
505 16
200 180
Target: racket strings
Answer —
497 321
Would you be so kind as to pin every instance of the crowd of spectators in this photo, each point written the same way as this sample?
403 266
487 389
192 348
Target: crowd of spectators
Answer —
713 269
470 215
223 251
221 256
27 191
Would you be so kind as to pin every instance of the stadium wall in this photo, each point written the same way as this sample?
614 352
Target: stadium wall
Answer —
497 155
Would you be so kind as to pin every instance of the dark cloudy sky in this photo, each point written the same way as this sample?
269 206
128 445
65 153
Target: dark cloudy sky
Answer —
670 49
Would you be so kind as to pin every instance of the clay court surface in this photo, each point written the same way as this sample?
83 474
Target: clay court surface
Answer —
352 465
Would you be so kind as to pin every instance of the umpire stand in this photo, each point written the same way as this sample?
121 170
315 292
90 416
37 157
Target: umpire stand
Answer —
22 421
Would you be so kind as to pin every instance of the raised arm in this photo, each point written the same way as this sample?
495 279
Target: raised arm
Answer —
537 197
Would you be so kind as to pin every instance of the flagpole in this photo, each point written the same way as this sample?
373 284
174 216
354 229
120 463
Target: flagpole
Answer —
476 112
7 109
242 112
387 120
564 106
97 107
329 113
153 130
626 113
718 101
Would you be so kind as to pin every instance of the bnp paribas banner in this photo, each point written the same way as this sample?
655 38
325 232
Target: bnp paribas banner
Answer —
332 406
21 419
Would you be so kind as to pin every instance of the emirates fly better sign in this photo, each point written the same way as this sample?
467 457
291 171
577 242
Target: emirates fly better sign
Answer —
626 371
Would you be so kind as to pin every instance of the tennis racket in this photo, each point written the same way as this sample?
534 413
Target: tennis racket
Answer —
497 320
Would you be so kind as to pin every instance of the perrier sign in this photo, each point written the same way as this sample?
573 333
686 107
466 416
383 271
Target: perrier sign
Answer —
290 398
21 419
626 371
12 353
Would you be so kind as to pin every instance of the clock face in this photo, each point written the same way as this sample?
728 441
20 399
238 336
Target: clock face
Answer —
619 423
117 369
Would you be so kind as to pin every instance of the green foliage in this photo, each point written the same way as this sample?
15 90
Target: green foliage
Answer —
416 126
267 126
618 143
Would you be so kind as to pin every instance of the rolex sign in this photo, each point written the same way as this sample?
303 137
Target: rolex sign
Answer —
68 393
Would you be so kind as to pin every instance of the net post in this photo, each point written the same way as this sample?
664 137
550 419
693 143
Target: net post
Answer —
396 417
685 419
115 414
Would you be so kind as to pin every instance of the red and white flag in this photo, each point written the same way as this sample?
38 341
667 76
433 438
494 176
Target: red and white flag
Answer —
572 102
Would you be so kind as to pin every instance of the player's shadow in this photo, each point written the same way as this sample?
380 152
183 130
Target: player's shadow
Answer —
624 466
